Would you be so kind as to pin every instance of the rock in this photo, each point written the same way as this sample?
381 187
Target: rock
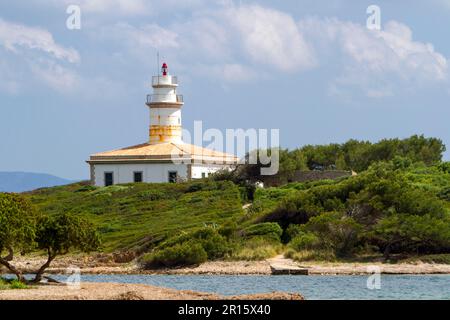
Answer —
129 295
269 296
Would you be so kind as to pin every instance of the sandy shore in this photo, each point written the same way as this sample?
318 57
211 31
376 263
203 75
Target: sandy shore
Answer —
92 265
125 291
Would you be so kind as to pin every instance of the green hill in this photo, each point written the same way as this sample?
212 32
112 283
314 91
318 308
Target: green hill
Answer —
139 216
392 208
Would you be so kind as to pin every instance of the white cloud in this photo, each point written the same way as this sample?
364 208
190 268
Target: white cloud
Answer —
145 37
234 41
114 8
378 62
36 57
271 37
55 75
14 36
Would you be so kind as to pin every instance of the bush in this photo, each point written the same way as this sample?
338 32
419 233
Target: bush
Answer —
337 233
214 244
291 232
310 255
15 284
269 230
185 254
445 167
228 230
305 241
444 194
257 248
86 188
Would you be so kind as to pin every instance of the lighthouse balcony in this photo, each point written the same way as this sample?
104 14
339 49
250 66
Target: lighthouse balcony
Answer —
164 81
154 98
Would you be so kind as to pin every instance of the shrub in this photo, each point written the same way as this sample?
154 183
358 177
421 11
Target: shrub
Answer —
185 254
336 232
15 284
445 167
305 241
444 194
257 248
311 255
269 230
228 230
291 232
86 188
214 244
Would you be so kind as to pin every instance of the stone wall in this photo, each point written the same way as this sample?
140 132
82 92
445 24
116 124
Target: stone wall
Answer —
304 176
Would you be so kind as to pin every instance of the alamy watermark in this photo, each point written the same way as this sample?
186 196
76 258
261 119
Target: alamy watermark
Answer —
73 22
253 146
73 280
373 21
374 280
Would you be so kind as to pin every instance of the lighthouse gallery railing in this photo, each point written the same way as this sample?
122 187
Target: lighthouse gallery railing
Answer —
157 80
163 98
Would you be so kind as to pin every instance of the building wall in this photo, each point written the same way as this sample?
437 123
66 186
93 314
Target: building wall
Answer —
197 170
152 172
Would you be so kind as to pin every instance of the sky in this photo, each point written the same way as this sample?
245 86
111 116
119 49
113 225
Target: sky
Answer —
311 69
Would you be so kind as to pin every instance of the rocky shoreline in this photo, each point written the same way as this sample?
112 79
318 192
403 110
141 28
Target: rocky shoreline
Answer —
127 291
93 265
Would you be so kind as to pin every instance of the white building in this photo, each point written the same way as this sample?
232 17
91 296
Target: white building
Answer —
165 157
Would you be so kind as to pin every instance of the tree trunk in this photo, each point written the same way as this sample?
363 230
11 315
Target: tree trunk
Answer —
41 270
387 252
12 269
10 255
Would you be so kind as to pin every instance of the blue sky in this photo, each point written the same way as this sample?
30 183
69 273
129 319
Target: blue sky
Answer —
311 69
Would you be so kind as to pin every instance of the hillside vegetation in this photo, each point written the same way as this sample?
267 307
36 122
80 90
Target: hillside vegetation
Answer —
138 216
397 206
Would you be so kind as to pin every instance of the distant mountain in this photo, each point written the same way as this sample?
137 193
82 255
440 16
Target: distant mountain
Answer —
26 181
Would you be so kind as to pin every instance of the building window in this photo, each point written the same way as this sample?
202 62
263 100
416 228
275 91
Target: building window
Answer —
173 175
137 176
109 179
203 175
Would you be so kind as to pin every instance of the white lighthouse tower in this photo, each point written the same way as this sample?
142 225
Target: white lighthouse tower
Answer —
165 109
164 157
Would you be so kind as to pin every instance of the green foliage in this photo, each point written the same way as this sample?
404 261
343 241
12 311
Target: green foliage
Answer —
352 155
228 229
331 231
174 252
17 222
256 248
140 216
431 258
184 254
310 255
305 241
291 232
413 233
392 207
6 284
15 284
60 233
445 167
269 230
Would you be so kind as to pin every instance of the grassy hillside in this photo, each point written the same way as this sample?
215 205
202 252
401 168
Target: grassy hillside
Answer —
138 216
393 208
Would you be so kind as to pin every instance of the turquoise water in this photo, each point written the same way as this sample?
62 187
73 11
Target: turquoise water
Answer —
312 287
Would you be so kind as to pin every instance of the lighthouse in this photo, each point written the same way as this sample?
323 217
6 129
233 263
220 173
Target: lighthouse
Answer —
164 157
165 108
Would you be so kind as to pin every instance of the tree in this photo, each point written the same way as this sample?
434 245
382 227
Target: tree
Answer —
413 233
17 228
61 233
